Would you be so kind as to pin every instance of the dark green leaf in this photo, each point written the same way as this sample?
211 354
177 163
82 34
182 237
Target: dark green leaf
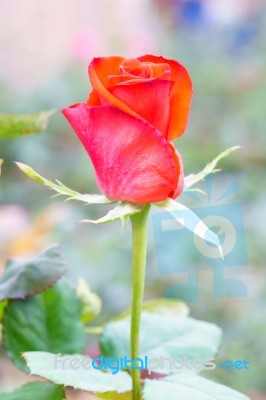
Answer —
26 277
36 391
3 305
48 322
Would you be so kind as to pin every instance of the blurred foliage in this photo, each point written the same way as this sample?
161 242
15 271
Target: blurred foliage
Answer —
12 126
91 302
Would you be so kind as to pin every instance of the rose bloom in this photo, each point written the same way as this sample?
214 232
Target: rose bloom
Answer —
136 108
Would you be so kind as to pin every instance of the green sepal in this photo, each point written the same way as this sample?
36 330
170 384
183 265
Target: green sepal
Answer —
121 211
210 168
63 190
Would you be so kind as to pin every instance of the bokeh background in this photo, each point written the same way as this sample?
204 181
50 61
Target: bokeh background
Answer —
45 50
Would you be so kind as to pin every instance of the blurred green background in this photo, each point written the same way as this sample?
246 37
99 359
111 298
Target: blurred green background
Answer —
45 51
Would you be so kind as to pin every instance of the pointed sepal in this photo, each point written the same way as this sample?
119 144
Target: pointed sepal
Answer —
122 211
210 168
63 190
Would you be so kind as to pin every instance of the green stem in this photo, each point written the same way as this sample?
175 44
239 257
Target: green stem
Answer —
139 244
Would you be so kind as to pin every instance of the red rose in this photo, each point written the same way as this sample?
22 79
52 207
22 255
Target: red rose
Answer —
135 110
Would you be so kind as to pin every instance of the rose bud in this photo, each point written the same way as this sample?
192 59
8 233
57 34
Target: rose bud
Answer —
136 108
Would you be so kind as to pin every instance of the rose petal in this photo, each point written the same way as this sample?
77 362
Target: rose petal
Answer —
132 159
180 172
180 95
148 99
125 79
99 71
133 71
133 68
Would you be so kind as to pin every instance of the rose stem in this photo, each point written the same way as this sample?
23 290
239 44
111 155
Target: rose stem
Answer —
139 244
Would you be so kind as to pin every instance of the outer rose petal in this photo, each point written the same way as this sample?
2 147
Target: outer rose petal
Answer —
180 95
149 99
132 159
180 171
